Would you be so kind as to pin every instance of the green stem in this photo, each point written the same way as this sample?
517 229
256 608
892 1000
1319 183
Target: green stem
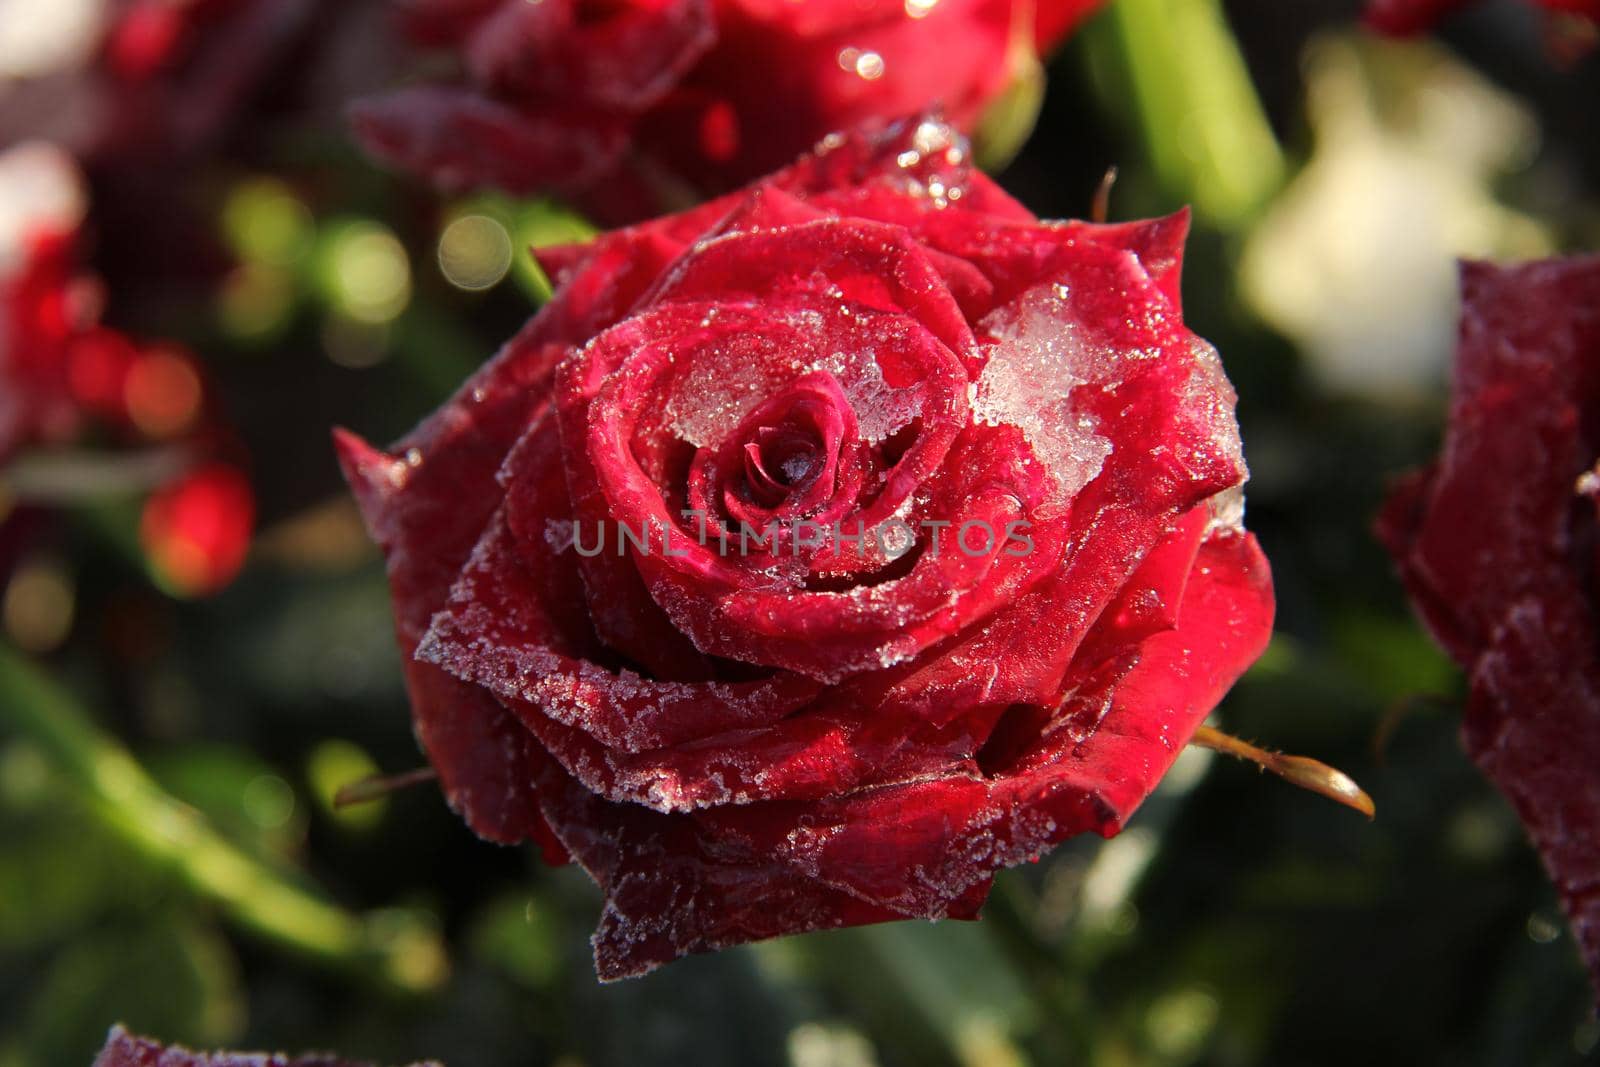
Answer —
398 949
1197 110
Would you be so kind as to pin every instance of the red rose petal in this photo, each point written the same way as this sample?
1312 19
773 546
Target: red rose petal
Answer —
1494 546
123 1049
621 62
461 140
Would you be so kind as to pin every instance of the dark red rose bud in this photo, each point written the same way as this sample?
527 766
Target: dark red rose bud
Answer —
126 1050
715 92
818 551
1496 545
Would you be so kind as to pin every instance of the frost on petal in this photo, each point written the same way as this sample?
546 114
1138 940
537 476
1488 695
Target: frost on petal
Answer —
123 1049
1038 356
715 394
1494 544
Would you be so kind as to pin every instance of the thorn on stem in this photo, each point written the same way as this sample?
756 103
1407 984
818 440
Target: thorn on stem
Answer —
1100 209
1298 770
378 786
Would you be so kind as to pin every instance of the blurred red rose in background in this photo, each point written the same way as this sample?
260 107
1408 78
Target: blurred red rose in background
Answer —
1497 544
196 530
68 380
566 93
63 372
1415 16
1047 589
144 79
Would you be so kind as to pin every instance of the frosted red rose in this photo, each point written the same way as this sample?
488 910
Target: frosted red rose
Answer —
1497 543
566 93
745 738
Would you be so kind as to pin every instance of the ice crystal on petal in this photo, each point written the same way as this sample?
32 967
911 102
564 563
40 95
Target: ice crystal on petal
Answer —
1039 356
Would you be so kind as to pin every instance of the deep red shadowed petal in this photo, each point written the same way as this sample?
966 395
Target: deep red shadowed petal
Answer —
123 1049
623 62
1409 16
1494 544
425 505
1406 17
444 22
481 752
671 888
462 140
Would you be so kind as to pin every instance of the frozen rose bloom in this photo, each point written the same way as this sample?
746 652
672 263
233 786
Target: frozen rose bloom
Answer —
998 576
1497 545
565 94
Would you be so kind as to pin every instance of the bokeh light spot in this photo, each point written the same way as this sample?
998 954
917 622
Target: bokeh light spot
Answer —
475 252
196 532
368 274
268 801
1180 1022
98 363
354 344
162 392
265 222
38 606
255 300
719 132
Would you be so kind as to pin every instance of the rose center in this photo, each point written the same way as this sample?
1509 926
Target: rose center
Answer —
780 461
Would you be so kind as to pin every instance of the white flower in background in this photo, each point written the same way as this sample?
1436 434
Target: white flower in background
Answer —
1356 260
41 190
39 37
